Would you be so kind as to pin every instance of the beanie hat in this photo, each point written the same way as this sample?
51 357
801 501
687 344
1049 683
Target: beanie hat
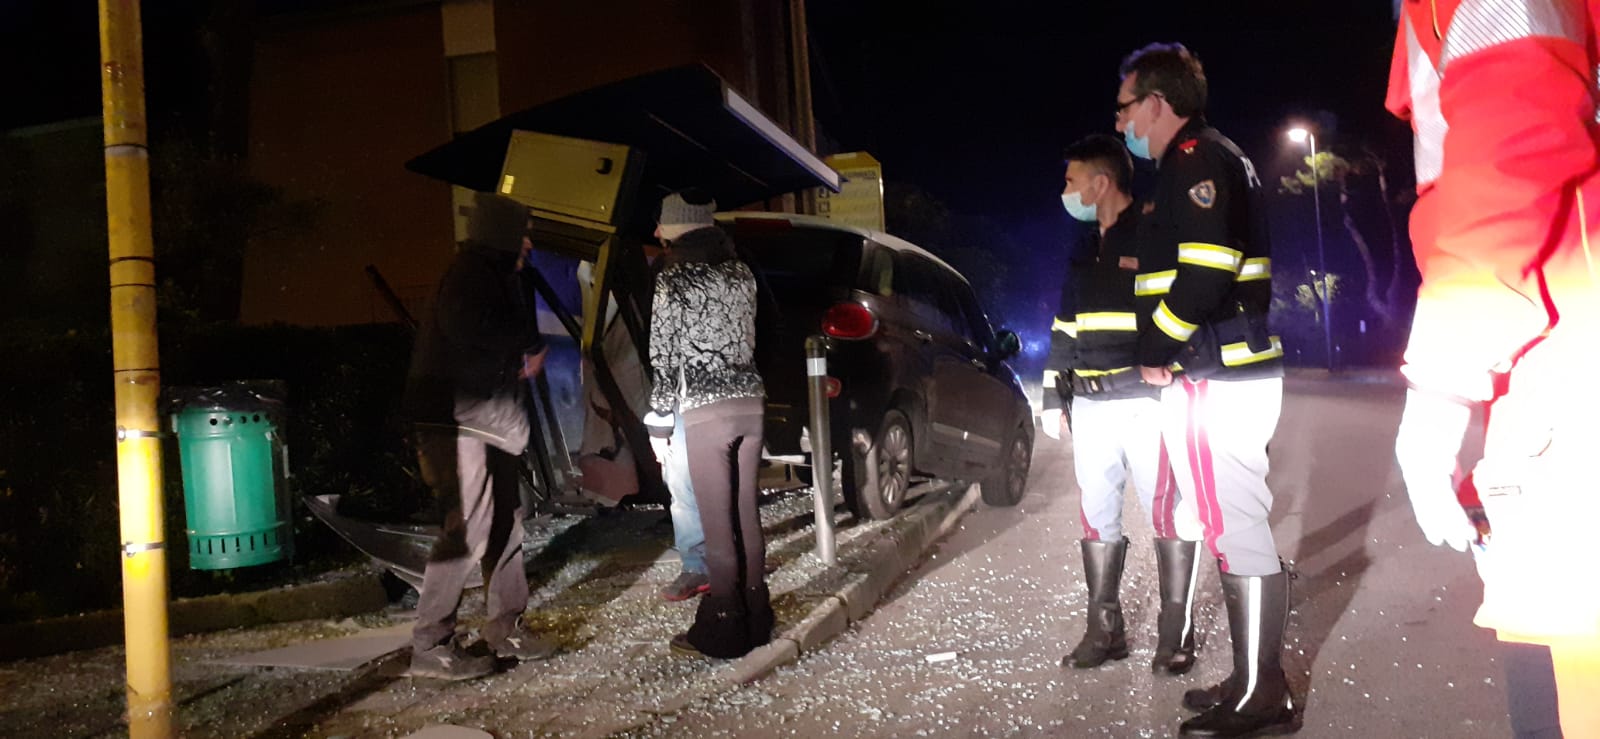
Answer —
685 211
497 222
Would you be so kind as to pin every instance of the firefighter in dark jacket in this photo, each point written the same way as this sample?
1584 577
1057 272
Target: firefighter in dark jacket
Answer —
1203 290
1055 415
465 396
1117 417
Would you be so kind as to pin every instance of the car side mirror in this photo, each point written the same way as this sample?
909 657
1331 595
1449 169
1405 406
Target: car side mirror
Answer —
1006 345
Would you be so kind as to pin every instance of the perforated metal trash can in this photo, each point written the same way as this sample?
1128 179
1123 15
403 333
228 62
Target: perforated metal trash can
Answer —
234 465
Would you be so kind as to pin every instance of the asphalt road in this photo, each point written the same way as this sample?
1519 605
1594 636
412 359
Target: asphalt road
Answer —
1380 642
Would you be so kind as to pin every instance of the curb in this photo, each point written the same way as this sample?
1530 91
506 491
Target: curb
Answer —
336 598
870 572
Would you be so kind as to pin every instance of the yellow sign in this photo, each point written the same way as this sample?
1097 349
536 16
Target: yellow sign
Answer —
859 202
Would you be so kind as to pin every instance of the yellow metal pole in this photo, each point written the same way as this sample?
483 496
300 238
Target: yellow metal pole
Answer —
136 370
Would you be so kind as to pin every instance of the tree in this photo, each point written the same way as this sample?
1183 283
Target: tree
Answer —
206 210
207 207
977 247
1383 296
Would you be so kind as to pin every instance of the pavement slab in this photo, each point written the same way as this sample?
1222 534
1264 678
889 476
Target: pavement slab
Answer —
341 654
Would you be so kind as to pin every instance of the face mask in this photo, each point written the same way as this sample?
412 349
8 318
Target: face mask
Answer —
1073 202
1138 146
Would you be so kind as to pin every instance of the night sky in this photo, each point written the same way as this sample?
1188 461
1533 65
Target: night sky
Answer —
970 101
975 101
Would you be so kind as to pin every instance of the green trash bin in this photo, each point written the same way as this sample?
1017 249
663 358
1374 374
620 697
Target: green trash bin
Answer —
231 450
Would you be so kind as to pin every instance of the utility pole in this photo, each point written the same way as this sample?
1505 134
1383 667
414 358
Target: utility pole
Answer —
136 370
1301 135
804 119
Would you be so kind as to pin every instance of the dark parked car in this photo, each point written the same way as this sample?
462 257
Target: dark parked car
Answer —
919 378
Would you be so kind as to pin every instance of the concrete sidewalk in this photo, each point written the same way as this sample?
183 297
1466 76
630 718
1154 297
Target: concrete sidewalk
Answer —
1380 642
594 583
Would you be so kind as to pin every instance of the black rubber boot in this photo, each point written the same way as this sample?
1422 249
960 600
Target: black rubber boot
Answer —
1105 639
1255 700
1179 572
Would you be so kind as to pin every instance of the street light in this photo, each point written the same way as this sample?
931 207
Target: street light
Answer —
1302 135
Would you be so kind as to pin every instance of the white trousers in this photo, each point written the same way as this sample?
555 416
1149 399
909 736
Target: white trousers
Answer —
1111 441
1216 433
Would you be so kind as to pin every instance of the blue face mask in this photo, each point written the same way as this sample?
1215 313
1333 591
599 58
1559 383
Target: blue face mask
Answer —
1138 146
1073 202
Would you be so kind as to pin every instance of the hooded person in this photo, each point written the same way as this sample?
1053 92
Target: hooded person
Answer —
702 353
465 396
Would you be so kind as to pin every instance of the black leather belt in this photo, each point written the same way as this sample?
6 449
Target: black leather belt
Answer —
1121 384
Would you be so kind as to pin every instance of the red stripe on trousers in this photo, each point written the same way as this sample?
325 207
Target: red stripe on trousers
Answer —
1089 532
1200 467
1165 501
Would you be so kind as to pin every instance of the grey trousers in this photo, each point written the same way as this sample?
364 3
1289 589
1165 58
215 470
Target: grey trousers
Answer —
477 485
724 445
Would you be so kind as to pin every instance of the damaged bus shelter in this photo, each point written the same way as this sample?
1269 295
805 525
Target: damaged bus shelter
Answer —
591 168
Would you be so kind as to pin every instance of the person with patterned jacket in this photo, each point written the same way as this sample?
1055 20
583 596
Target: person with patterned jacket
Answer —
1118 421
702 355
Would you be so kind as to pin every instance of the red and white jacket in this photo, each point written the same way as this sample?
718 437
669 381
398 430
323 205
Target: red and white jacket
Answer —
1502 97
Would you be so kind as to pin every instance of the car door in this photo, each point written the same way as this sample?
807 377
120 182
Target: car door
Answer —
986 405
934 341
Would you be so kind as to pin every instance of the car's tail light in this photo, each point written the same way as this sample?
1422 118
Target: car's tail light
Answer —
849 321
833 386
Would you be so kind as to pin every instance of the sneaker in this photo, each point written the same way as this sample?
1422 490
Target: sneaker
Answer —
523 645
448 661
686 585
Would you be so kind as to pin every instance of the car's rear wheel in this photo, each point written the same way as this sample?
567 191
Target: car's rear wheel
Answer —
883 476
1007 484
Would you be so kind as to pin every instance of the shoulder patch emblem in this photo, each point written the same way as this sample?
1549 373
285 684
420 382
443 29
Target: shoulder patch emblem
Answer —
1187 147
1204 194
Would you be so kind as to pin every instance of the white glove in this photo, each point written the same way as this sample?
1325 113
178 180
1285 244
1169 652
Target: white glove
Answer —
1050 419
1431 431
661 448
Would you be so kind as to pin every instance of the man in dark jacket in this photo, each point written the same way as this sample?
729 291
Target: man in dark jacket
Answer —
1118 436
465 396
1203 291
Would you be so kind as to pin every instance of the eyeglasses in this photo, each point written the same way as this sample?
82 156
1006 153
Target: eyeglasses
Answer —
1122 108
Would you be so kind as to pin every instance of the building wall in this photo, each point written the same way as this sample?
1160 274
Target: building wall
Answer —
340 101
551 49
337 106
